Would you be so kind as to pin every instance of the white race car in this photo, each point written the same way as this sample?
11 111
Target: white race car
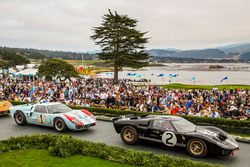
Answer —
56 115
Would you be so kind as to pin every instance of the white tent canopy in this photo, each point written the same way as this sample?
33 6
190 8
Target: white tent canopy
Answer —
20 67
30 72
11 71
31 66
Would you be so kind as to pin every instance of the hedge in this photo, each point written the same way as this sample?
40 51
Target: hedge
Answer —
65 146
196 120
220 122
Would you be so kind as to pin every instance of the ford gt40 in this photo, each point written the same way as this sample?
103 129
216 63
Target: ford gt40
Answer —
175 131
56 115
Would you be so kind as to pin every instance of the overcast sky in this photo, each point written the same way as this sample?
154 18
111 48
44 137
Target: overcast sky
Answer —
67 24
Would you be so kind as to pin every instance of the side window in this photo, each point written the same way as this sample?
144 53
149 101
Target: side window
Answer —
162 125
52 109
40 109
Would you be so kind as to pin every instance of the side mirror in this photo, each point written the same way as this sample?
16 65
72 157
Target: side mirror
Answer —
31 113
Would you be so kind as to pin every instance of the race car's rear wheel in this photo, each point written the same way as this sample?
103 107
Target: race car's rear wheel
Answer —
197 148
129 135
20 118
60 125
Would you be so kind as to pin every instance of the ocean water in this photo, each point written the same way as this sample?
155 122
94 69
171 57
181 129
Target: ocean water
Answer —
238 73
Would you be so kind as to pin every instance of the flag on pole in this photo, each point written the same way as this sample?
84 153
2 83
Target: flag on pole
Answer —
138 75
133 74
193 78
109 73
173 75
225 78
161 75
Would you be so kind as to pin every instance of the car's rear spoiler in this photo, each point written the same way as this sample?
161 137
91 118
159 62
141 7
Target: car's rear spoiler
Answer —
131 116
115 118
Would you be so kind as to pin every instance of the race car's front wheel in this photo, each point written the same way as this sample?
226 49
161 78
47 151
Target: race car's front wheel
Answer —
197 148
129 135
20 118
60 125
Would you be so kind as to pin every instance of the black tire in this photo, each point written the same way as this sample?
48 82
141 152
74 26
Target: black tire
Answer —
129 135
197 148
20 118
60 125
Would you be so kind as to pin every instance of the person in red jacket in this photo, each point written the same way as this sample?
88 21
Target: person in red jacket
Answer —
175 109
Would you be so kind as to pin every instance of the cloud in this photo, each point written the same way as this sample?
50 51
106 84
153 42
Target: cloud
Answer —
67 25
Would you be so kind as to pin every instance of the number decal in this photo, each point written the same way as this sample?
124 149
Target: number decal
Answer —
41 118
170 136
169 139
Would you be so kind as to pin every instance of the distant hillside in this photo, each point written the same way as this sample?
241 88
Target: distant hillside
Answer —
201 54
66 55
10 57
27 53
245 56
239 48
192 60
195 54
41 54
161 52
232 51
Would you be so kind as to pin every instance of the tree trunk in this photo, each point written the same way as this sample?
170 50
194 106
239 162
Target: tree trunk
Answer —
60 79
116 74
66 79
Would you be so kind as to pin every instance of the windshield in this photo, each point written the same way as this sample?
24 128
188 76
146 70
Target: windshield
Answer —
183 125
58 108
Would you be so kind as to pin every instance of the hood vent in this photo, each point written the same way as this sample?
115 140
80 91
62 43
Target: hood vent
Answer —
222 137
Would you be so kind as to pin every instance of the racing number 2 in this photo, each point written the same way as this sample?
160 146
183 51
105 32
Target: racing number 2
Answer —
169 139
170 136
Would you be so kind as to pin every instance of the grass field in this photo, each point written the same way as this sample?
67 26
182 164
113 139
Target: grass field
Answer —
207 87
40 158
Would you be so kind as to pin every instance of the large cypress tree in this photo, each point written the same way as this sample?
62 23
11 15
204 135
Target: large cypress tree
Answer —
121 43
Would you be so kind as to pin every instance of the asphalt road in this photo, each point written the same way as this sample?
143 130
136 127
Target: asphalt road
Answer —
105 133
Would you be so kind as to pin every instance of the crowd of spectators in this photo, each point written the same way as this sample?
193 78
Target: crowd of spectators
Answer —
123 95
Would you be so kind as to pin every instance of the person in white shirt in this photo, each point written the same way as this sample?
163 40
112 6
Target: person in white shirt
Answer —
214 114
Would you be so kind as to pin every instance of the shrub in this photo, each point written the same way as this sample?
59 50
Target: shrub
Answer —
196 120
65 146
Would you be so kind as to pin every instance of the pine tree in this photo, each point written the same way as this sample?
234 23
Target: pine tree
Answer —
121 43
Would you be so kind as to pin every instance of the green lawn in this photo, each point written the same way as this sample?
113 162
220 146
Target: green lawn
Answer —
40 158
207 87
